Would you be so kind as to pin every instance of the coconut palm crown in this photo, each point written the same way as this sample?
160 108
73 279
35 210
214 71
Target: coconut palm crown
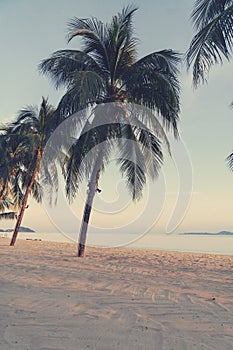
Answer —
107 69
35 126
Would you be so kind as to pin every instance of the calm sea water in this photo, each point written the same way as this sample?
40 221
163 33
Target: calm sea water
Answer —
184 243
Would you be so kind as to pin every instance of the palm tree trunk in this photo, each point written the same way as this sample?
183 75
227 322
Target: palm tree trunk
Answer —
21 214
93 183
25 199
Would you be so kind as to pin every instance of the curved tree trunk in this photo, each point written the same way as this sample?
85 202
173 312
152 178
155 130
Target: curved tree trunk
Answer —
22 210
25 200
93 183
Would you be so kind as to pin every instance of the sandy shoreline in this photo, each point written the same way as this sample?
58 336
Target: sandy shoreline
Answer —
113 299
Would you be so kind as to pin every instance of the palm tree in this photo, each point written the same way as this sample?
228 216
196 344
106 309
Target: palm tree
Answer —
107 71
34 125
213 21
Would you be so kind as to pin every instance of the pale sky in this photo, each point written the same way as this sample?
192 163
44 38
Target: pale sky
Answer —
31 30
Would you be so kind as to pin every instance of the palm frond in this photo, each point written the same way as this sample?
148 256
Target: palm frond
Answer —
26 121
149 144
8 216
152 152
214 39
145 119
62 65
81 156
153 83
46 119
5 203
132 166
121 44
90 87
230 161
37 191
59 149
94 34
16 190
49 176
205 10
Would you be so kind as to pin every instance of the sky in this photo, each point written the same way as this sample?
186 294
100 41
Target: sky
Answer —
31 30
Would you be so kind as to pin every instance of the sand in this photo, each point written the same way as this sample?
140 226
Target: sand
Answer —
115 298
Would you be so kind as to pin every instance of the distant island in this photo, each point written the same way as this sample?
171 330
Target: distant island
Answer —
221 233
22 229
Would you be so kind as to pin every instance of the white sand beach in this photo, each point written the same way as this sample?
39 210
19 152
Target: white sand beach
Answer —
116 298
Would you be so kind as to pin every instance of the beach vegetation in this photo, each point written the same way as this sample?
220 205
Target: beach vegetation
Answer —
107 75
213 41
34 125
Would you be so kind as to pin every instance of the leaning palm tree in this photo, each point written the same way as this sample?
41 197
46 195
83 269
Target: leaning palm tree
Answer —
213 21
105 71
36 126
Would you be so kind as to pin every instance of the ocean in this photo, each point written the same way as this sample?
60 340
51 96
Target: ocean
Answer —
220 244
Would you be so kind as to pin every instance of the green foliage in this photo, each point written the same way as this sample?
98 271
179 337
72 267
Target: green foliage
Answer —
107 69
7 216
22 143
230 161
213 21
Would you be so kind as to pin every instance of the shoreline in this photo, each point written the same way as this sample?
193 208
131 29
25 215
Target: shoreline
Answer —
39 238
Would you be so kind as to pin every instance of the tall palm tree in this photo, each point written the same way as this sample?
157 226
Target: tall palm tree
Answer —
213 22
35 125
106 71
